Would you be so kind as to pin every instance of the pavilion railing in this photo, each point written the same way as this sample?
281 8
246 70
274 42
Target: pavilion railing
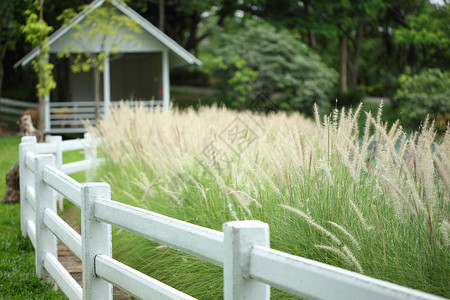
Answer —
69 117
64 117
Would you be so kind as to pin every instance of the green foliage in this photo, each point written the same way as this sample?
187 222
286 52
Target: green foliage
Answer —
36 33
261 59
428 28
10 21
352 97
238 78
427 93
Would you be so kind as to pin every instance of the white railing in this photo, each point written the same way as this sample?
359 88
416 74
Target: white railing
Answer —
64 117
242 249
11 109
68 117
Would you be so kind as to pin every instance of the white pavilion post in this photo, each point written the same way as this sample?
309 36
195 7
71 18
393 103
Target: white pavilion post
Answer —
47 111
165 80
106 86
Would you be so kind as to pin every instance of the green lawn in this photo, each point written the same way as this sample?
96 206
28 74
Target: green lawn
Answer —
18 278
9 149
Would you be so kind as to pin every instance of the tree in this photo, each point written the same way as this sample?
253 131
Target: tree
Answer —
259 59
36 32
11 18
343 21
428 33
183 20
106 29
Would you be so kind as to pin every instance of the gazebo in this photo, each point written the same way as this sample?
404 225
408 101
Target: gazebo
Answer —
137 70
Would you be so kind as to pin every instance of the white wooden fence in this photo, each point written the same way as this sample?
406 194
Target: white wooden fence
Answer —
242 249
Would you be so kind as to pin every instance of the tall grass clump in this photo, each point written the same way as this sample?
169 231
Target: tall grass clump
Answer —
374 202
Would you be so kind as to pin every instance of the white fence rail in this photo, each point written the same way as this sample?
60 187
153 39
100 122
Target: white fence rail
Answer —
242 249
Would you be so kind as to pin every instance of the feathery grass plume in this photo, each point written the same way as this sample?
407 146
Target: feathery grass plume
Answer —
317 115
310 221
442 160
353 259
360 216
347 234
380 112
338 252
445 232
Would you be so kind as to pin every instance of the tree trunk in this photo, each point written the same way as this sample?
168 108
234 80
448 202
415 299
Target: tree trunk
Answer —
2 56
311 35
1 75
161 15
191 43
355 66
97 92
343 64
312 39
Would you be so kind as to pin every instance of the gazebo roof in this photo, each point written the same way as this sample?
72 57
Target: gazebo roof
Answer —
178 55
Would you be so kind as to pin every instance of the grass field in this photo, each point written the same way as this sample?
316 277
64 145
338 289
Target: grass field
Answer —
18 278
374 202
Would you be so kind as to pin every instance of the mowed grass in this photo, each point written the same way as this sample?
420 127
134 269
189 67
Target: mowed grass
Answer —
9 151
374 202
18 278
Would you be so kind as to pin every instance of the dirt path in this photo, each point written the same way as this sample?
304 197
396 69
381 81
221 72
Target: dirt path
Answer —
72 264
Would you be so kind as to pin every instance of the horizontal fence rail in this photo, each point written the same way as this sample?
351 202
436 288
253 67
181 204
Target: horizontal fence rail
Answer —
192 239
250 266
134 282
63 232
63 184
307 278
62 277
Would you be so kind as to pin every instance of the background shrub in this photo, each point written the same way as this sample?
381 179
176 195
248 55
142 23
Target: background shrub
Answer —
427 93
261 59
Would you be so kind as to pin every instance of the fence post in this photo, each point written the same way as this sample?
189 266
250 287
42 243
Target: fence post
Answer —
26 178
45 199
239 238
57 140
90 153
95 239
